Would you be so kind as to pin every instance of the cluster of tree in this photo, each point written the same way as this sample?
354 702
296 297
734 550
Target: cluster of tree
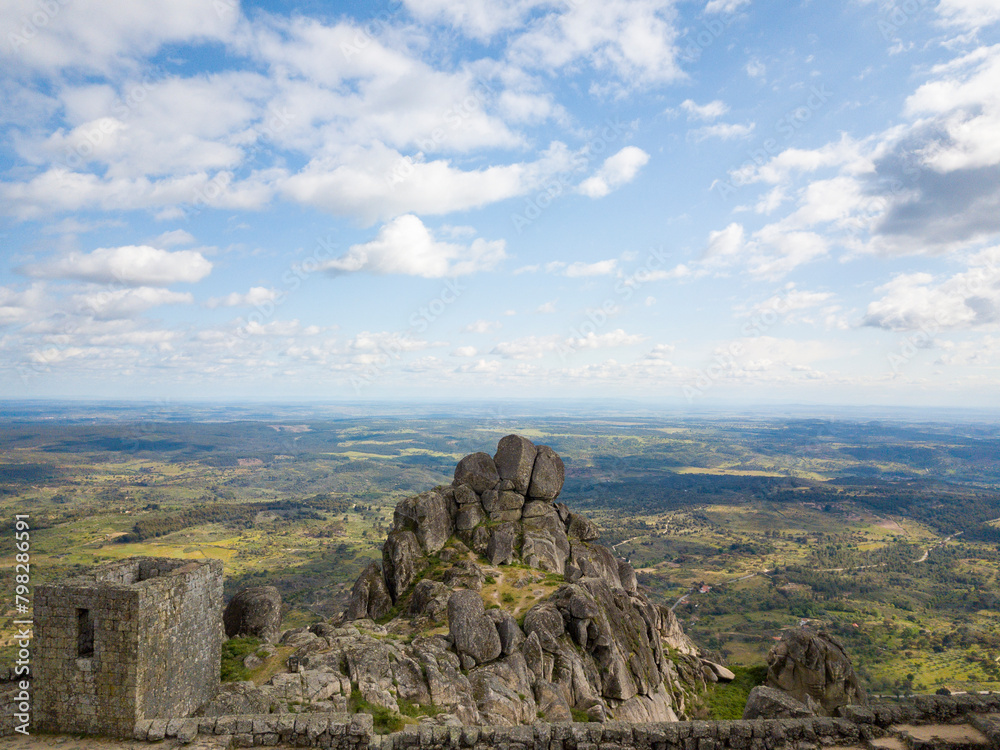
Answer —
234 515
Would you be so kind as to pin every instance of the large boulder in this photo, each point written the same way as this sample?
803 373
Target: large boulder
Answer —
237 698
369 598
473 633
429 598
428 516
478 471
503 544
503 505
814 668
254 611
547 475
514 459
402 560
582 528
545 544
765 702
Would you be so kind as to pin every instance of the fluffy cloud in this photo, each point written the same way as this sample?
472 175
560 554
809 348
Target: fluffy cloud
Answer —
710 111
634 39
919 301
20 306
725 242
579 269
379 183
126 303
527 347
615 338
406 246
258 295
482 326
970 14
95 35
617 170
725 6
724 131
139 265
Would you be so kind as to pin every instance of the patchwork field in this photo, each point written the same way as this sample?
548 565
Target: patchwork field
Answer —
885 534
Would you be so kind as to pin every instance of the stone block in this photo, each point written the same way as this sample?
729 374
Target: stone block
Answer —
187 731
157 730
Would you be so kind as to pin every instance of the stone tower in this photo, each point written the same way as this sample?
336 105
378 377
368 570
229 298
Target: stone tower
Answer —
136 639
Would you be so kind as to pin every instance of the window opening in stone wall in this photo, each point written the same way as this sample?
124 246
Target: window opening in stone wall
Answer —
84 634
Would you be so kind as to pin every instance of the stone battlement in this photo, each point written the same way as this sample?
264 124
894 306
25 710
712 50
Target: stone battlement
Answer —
924 721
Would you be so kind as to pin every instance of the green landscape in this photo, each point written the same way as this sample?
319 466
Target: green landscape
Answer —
885 533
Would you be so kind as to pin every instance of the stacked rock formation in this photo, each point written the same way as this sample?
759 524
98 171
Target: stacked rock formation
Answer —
809 674
595 645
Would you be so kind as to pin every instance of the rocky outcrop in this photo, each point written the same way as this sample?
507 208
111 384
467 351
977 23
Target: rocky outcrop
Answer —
369 597
254 611
594 644
765 702
476 638
813 668
515 460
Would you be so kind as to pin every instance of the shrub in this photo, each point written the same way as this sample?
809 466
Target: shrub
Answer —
726 701
233 652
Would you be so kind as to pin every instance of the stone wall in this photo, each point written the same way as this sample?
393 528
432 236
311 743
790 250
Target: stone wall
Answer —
139 638
343 732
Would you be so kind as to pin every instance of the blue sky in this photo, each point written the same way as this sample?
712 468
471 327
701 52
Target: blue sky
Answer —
684 202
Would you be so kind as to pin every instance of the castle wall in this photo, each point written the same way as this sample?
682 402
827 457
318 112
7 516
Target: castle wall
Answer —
140 638
343 732
180 619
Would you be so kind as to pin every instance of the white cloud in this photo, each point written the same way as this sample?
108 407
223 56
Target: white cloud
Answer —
725 6
789 302
98 34
579 269
126 303
379 183
724 131
617 170
725 242
755 68
635 39
481 366
480 19
615 338
465 351
527 347
138 265
21 306
405 246
966 96
970 14
258 295
546 307
483 326
710 111
918 301
174 238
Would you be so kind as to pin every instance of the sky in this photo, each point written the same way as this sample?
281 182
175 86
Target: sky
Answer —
682 202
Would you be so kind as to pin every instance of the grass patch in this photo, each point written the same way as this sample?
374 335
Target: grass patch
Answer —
385 720
234 651
579 715
726 701
416 710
